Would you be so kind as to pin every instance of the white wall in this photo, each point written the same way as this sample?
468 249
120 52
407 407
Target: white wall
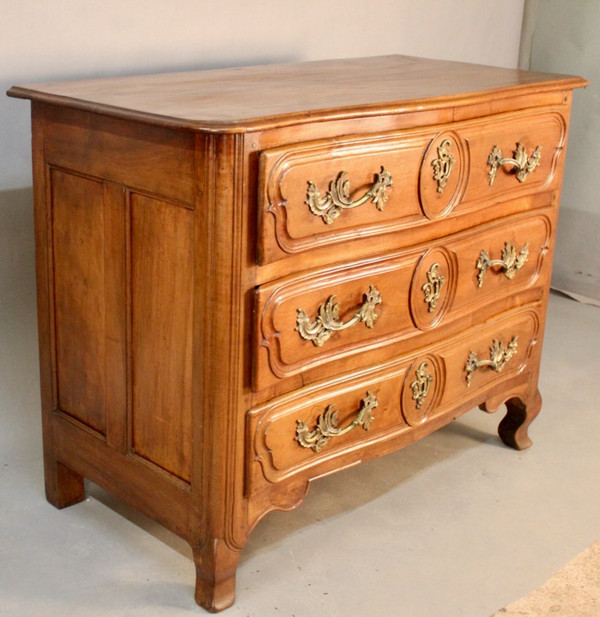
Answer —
565 40
44 40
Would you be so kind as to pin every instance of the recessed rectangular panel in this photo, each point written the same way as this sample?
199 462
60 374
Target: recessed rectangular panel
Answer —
161 332
79 306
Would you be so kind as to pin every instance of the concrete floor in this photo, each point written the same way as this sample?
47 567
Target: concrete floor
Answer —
456 525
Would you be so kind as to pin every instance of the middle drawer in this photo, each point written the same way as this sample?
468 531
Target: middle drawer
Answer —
317 323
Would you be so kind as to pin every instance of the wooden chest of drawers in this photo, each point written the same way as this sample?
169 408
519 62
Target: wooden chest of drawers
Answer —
252 277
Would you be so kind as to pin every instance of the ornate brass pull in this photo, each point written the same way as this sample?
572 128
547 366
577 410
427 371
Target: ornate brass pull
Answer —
510 262
327 425
442 166
421 385
328 320
498 358
433 287
337 197
523 164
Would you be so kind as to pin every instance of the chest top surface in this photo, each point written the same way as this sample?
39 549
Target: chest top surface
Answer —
258 97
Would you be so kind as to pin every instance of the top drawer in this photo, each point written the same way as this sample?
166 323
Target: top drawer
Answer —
330 191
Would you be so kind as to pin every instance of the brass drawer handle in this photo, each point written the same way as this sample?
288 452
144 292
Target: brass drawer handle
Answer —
337 197
498 358
521 162
509 261
327 425
328 320
433 287
442 166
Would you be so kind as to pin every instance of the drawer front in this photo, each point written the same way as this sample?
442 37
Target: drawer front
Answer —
325 427
475 269
321 192
513 155
332 191
322 321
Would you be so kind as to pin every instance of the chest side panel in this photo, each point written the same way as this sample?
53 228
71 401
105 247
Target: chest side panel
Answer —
122 264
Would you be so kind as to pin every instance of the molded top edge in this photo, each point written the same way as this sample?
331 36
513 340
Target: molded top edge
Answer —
238 100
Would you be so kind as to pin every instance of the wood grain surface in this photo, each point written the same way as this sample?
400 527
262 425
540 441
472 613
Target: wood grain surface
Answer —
252 97
177 249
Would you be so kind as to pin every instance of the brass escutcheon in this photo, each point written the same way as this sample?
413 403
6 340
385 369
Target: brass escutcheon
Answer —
421 385
433 287
442 166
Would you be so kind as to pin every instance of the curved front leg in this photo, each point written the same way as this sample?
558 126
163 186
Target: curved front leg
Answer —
521 410
519 415
216 565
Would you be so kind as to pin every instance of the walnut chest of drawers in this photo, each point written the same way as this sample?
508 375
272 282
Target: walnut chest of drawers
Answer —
249 278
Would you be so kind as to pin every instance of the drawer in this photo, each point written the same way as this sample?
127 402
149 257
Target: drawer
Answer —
338 423
329 192
317 193
337 318
512 155
463 273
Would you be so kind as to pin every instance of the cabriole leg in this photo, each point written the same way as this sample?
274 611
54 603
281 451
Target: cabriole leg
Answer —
520 414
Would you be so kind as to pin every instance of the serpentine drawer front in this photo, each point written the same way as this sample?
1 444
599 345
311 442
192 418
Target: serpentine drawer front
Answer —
344 317
241 291
321 193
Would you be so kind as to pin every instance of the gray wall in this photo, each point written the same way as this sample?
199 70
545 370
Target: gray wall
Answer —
564 39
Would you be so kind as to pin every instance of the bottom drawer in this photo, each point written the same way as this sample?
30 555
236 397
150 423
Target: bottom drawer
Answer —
332 425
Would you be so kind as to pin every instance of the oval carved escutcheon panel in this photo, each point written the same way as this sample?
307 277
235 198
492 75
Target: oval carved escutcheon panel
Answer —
433 287
443 175
422 389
